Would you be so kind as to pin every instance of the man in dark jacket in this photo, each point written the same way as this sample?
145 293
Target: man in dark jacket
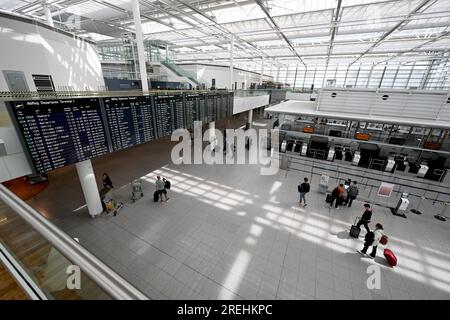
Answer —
303 189
365 219
352 192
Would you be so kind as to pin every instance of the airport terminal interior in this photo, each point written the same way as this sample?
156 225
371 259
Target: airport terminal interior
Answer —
224 150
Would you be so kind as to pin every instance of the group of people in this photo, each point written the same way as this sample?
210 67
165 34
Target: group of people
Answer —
372 238
344 194
161 184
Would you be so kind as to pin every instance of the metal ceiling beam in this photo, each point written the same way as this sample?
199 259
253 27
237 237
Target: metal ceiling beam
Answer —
278 30
146 3
443 34
396 27
336 18
223 29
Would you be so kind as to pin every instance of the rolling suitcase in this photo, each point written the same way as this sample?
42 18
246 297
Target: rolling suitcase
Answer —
156 196
390 257
354 230
328 198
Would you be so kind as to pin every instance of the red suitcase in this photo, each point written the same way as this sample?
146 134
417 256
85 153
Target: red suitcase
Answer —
390 257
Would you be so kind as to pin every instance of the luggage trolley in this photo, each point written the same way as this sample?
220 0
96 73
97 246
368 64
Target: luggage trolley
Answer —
136 190
109 203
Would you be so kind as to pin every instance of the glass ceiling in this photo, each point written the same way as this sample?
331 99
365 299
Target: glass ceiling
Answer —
284 32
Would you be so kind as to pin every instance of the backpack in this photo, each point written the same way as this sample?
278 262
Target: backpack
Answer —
300 188
305 187
167 184
370 237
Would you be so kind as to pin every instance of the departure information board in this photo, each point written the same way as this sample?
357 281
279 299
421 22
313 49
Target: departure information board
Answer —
131 120
61 132
166 119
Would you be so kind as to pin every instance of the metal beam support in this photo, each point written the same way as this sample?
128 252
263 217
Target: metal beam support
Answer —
396 27
261 76
140 45
231 62
275 26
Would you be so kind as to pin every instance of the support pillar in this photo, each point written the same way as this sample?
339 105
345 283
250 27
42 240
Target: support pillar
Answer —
250 118
140 45
262 71
89 187
212 134
231 62
277 79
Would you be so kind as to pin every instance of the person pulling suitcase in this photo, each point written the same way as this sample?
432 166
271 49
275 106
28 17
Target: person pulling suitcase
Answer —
366 216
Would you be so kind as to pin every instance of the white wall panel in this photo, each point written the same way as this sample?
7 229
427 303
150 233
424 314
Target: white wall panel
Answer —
400 103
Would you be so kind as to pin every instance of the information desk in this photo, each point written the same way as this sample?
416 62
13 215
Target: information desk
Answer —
57 133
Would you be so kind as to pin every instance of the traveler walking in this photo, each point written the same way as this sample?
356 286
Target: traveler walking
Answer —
366 216
352 192
160 188
107 183
304 189
372 239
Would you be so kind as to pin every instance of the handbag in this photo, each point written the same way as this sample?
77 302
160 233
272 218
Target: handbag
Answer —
384 239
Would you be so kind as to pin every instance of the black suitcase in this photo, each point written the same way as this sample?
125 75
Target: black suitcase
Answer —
156 196
328 198
354 230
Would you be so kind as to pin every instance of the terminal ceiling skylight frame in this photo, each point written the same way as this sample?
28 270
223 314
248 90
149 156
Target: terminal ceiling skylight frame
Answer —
278 33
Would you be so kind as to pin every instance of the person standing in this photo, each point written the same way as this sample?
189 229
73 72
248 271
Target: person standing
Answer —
352 192
335 196
372 239
107 183
366 216
160 188
304 189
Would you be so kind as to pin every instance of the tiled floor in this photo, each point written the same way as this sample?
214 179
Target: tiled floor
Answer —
228 232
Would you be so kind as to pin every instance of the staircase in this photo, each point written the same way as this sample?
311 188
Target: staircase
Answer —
183 73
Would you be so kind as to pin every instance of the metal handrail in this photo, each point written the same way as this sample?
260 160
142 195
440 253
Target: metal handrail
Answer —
106 278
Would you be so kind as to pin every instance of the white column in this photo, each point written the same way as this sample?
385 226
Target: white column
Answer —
89 186
212 134
48 16
231 62
250 118
262 71
167 52
140 45
278 74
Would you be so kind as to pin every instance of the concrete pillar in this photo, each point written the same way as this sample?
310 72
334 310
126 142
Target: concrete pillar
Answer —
48 16
212 134
250 118
231 62
89 187
140 45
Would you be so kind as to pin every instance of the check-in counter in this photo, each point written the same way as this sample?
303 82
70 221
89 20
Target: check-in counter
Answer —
389 165
422 170
356 158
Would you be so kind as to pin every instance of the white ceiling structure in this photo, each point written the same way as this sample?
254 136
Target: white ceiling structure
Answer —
278 32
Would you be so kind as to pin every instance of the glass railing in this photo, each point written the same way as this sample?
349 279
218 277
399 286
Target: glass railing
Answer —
48 263
250 93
